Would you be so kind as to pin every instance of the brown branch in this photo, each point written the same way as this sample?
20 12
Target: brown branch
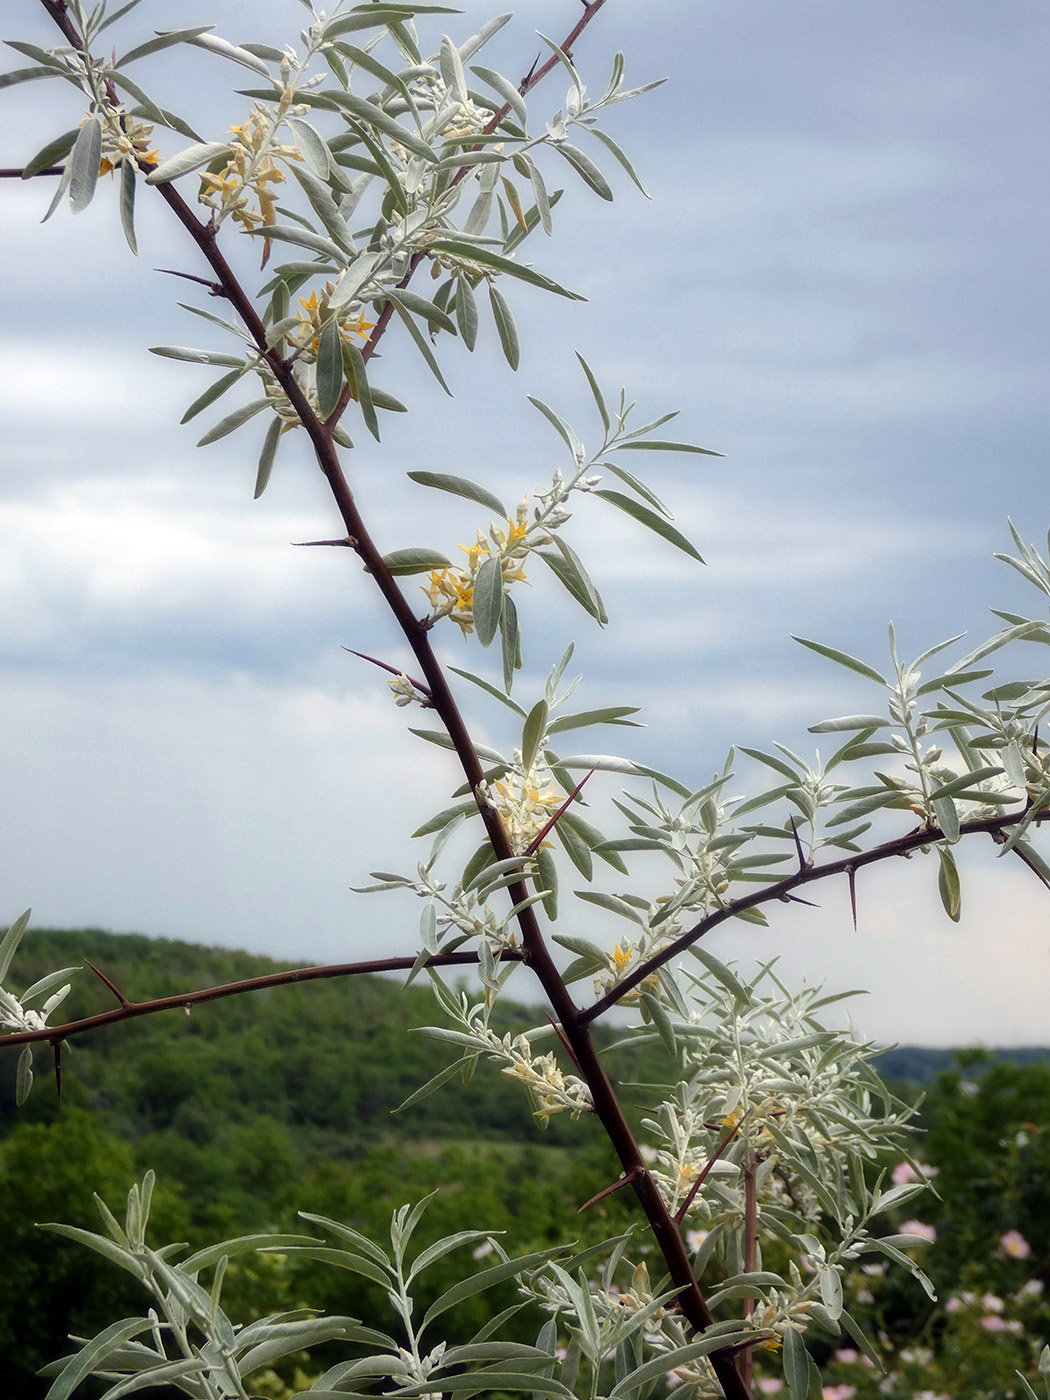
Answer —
20 174
535 953
128 1010
901 846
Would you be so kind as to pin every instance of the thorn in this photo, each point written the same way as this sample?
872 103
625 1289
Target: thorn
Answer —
215 288
528 76
803 864
537 841
797 899
680 1214
118 994
308 544
1035 741
394 671
56 1046
626 1180
852 875
561 1036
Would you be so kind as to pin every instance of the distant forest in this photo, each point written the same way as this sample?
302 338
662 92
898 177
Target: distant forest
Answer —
255 1107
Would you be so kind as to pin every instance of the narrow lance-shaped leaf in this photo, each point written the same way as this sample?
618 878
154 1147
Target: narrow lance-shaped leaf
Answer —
948 884
843 659
234 421
192 158
84 160
267 456
487 599
586 168
505 326
460 486
651 521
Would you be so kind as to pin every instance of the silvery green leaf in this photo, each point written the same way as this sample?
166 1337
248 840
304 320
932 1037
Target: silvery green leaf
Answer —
28 75
611 145
480 210
374 117
947 818
371 64
234 420
164 40
543 202
466 311
51 154
192 158
571 574
477 253
199 357
93 1354
533 732
505 326
948 884
567 64
224 49
304 238
831 1290
651 520
510 637
835 726
796 1364
547 880
487 598
718 970
24 1076
843 659
213 392
487 687
267 456
330 378
45 983
958 786
414 561
561 427
654 445
11 940
422 346
420 306
280 1339
611 714
507 91
354 279
160 1374
357 377
311 146
127 203
487 1278
84 160
428 927
325 207
480 39
614 904
452 70
586 168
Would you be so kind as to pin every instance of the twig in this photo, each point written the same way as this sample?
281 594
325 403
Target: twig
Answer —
115 990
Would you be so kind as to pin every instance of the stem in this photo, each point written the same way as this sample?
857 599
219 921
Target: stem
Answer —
535 951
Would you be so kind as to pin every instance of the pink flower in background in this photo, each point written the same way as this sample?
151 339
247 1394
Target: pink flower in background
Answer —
769 1385
902 1172
994 1323
1015 1245
839 1392
916 1227
846 1355
991 1302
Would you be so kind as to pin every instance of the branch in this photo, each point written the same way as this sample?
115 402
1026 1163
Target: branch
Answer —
130 1009
782 890
535 952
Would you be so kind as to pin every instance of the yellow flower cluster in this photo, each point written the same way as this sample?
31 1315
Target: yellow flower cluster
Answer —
451 591
249 171
307 333
124 138
550 1091
526 802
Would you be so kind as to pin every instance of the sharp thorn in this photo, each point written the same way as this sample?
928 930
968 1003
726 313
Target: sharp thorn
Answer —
537 841
852 876
626 1180
116 992
394 671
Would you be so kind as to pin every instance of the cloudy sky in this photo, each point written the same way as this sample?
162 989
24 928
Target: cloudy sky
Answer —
840 281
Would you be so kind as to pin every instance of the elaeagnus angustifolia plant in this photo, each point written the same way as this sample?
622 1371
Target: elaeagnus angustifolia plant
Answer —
391 184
